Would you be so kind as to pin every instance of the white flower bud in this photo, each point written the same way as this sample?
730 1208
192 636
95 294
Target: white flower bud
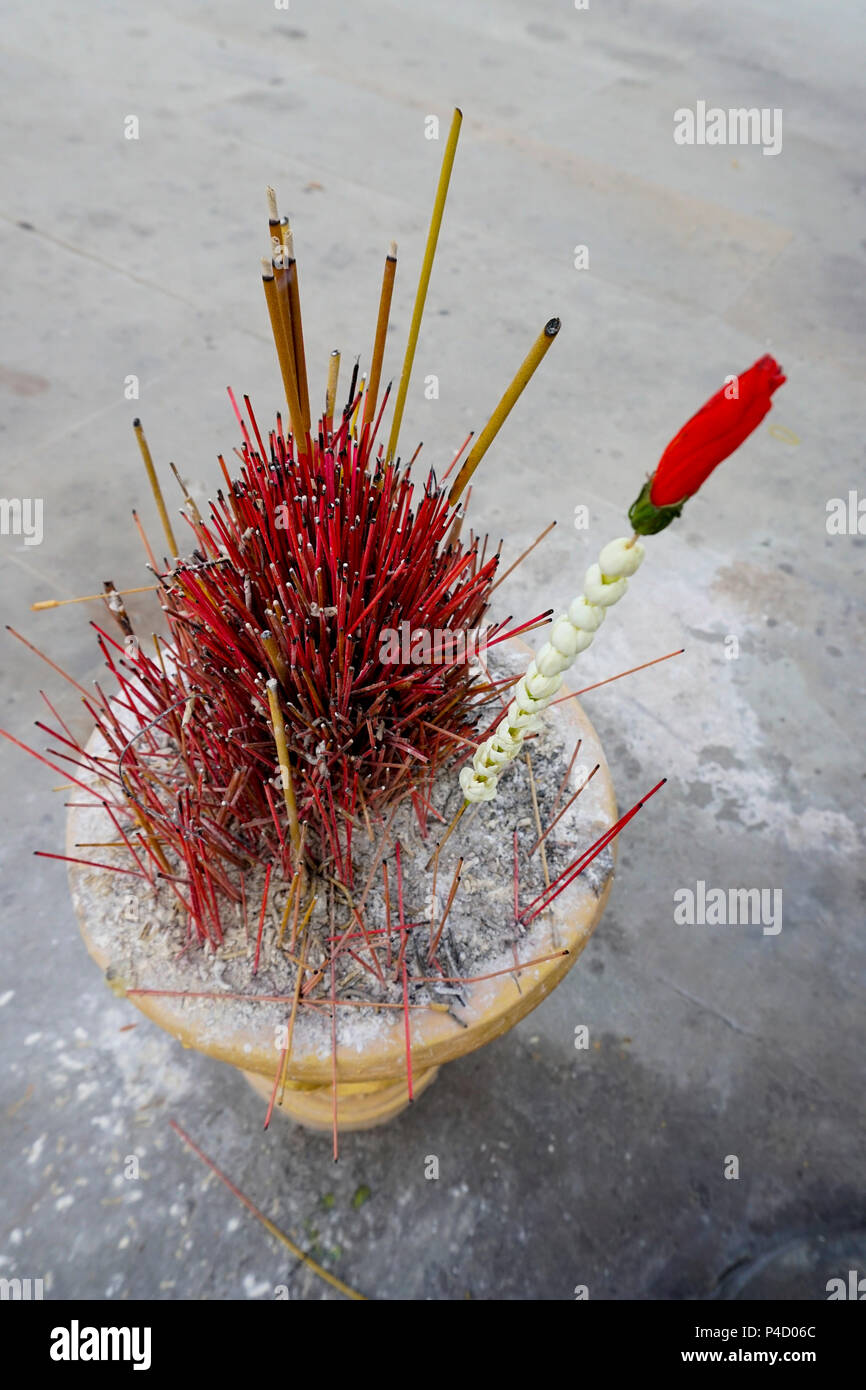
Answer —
550 662
520 718
563 636
474 789
585 616
542 687
570 634
598 592
620 558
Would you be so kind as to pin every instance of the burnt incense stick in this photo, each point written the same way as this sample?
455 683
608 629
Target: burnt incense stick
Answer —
281 343
437 935
297 327
266 1222
275 656
187 496
280 268
274 233
524 372
151 558
522 557
115 606
565 808
561 788
173 551
537 814
381 333
331 391
424 280
285 768
359 403
88 598
609 679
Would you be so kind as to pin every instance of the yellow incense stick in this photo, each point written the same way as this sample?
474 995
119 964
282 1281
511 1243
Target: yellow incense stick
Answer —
285 766
331 392
156 489
381 333
273 220
289 385
491 429
359 408
426 268
288 257
280 267
86 598
275 656
267 1223
188 497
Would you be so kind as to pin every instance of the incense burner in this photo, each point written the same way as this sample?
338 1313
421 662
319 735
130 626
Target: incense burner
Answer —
371 1081
279 718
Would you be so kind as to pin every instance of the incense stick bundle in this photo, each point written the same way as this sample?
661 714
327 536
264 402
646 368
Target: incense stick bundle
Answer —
307 556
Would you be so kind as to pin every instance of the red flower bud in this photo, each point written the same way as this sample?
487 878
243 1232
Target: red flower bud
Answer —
716 431
704 441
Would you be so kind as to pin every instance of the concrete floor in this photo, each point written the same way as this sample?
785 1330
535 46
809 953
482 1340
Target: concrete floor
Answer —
559 1168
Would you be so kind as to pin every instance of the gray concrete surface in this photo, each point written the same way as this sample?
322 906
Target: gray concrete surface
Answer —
559 1167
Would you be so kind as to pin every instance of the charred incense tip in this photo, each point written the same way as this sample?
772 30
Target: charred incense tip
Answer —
552 327
392 251
273 214
267 269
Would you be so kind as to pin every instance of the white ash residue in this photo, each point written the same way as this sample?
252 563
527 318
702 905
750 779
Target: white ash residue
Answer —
143 933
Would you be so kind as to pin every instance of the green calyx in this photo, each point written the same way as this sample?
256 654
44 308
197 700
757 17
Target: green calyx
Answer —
648 519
